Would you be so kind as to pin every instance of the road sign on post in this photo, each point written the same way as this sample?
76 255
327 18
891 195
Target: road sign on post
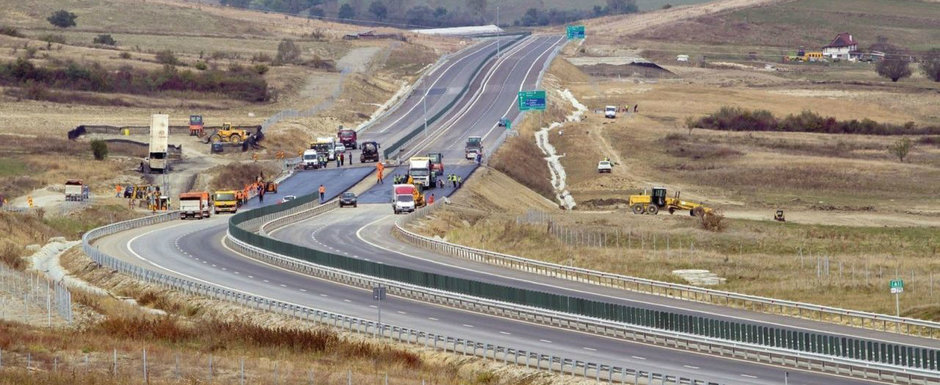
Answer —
897 286
575 32
532 100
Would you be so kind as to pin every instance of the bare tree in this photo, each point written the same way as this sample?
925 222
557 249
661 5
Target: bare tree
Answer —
894 66
901 148
931 65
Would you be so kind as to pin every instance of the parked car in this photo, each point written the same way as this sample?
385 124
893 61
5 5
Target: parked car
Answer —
604 166
339 149
348 199
287 198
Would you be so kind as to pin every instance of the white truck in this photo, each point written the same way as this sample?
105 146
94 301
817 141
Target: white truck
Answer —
195 204
311 159
74 190
419 168
403 198
610 112
325 145
159 135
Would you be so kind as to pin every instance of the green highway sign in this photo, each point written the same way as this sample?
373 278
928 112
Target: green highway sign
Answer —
897 286
532 100
575 32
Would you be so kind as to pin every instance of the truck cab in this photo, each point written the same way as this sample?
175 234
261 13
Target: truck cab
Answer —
437 162
325 146
194 204
347 138
370 152
419 168
196 127
311 159
473 147
74 190
226 200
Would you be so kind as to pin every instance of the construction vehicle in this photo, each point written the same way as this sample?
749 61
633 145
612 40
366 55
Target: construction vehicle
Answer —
326 146
195 204
347 138
653 203
75 190
370 152
159 134
473 147
226 200
406 198
196 128
419 168
778 216
229 134
437 163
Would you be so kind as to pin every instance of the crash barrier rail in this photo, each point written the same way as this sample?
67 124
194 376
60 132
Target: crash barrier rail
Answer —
415 131
136 130
854 318
751 348
457 345
845 350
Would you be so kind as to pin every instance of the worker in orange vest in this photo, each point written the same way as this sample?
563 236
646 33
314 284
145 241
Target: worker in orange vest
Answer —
322 193
431 200
379 167
117 191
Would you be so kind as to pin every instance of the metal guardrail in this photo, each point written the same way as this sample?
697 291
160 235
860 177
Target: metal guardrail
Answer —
902 325
650 335
464 346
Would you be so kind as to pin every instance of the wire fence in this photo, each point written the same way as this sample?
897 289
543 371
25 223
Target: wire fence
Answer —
33 299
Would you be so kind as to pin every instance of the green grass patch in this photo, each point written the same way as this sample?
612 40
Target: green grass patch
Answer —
10 167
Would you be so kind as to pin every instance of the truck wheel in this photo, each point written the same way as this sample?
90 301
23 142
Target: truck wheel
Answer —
652 209
215 138
638 209
235 138
672 210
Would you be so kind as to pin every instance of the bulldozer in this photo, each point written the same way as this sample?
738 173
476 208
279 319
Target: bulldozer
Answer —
229 134
653 203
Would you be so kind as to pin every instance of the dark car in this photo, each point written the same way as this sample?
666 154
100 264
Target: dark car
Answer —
348 199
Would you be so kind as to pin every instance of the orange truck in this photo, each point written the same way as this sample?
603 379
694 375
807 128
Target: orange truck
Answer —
195 204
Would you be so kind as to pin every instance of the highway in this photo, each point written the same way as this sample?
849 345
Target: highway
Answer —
194 249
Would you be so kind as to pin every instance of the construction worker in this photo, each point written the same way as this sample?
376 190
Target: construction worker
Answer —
379 167
431 200
337 162
411 180
453 180
342 159
29 201
459 181
260 193
117 191
322 193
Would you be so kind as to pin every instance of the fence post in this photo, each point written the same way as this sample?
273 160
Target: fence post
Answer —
114 360
145 365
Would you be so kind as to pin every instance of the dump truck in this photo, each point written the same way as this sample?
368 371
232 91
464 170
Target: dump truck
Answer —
370 152
347 138
406 198
195 204
159 135
653 203
325 146
419 168
74 190
196 127
226 200
473 147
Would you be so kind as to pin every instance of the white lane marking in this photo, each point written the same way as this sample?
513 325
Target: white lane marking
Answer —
467 326
545 341
213 265
638 357
236 273
283 285
506 333
690 367
748 376
346 300
266 281
224 269
401 312
373 306
433 319
204 262
324 295
303 290
589 349
251 276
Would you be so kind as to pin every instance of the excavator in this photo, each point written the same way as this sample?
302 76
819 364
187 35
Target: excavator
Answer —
653 203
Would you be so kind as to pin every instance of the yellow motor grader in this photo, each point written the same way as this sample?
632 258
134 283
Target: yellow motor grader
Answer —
653 203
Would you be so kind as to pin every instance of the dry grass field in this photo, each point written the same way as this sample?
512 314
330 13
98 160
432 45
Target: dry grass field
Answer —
856 215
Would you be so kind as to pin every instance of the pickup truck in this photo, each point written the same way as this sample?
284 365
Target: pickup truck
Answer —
604 166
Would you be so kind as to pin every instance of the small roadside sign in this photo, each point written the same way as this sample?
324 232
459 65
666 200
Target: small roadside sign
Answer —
532 100
897 286
378 293
575 32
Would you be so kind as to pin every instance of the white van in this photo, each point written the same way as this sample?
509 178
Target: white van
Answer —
610 112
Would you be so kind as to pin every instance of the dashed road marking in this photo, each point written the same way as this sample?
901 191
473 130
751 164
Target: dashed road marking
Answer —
748 376
283 285
690 366
324 295
546 341
433 319
506 333
346 300
303 290
638 357
401 312
467 326
589 349
373 306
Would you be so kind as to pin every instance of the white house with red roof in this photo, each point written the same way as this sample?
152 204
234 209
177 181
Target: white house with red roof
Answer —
842 47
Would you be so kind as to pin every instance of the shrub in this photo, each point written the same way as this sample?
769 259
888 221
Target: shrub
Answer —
10 31
713 221
738 119
901 148
104 39
99 149
62 19
287 52
261 69
167 57
201 65
125 55
53 38
261 57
